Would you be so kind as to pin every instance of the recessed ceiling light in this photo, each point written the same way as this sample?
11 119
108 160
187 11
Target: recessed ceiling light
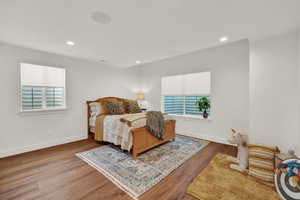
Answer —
138 62
70 43
223 39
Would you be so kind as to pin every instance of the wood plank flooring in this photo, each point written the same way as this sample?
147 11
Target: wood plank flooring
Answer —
56 173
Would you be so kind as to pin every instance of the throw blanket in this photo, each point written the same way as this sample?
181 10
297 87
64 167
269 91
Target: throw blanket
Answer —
156 124
152 120
116 129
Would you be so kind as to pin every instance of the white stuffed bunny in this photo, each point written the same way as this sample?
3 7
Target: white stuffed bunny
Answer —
242 158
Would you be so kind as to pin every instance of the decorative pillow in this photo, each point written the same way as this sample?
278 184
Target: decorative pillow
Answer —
262 163
115 108
133 107
95 110
104 101
126 105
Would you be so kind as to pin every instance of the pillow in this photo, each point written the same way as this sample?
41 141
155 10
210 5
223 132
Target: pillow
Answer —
262 163
133 107
104 103
95 110
115 108
126 105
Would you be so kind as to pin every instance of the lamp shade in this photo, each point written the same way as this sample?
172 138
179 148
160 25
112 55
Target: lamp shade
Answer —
140 96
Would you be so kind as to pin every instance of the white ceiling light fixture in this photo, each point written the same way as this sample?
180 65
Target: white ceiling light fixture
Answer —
70 43
138 62
223 39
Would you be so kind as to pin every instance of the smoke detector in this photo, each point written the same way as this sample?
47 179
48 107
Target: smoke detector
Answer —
101 17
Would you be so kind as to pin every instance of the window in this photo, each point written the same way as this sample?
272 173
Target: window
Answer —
180 93
42 88
182 105
54 97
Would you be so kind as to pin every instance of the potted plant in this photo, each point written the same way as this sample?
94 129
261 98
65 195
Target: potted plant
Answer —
203 105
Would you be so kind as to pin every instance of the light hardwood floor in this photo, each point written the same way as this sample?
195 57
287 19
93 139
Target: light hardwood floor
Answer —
56 173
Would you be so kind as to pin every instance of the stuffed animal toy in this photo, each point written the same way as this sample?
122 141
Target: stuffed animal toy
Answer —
242 158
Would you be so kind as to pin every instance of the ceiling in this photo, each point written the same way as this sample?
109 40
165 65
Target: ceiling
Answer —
145 30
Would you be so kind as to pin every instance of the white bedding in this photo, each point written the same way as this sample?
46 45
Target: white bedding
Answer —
119 133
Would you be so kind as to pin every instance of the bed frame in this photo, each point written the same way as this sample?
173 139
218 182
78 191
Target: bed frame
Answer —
143 140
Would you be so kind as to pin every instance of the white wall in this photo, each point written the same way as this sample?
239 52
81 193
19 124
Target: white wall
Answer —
298 147
273 102
229 66
22 132
274 109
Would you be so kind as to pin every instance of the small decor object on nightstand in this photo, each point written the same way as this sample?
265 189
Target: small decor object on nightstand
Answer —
203 106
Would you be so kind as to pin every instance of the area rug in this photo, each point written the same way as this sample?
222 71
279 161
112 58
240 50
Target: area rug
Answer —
218 181
137 176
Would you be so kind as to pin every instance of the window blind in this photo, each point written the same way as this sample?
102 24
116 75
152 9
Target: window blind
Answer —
32 98
174 105
54 97
187 84
42 87
181 92
42 76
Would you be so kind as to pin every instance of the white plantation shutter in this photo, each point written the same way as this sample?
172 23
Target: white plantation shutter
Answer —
181 92
42 87
174 104
54 97
32 98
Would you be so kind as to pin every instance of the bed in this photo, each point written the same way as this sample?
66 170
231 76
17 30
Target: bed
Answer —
110 128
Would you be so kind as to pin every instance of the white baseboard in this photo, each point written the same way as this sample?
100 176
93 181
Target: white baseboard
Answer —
77 138
41 145
205 137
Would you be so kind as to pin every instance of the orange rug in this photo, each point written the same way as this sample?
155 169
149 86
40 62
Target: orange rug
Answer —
219 182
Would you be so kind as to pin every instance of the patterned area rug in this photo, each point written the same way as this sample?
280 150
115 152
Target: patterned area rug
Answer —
137 176
218 181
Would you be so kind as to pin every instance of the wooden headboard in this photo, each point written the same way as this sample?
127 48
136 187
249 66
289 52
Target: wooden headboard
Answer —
104 99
